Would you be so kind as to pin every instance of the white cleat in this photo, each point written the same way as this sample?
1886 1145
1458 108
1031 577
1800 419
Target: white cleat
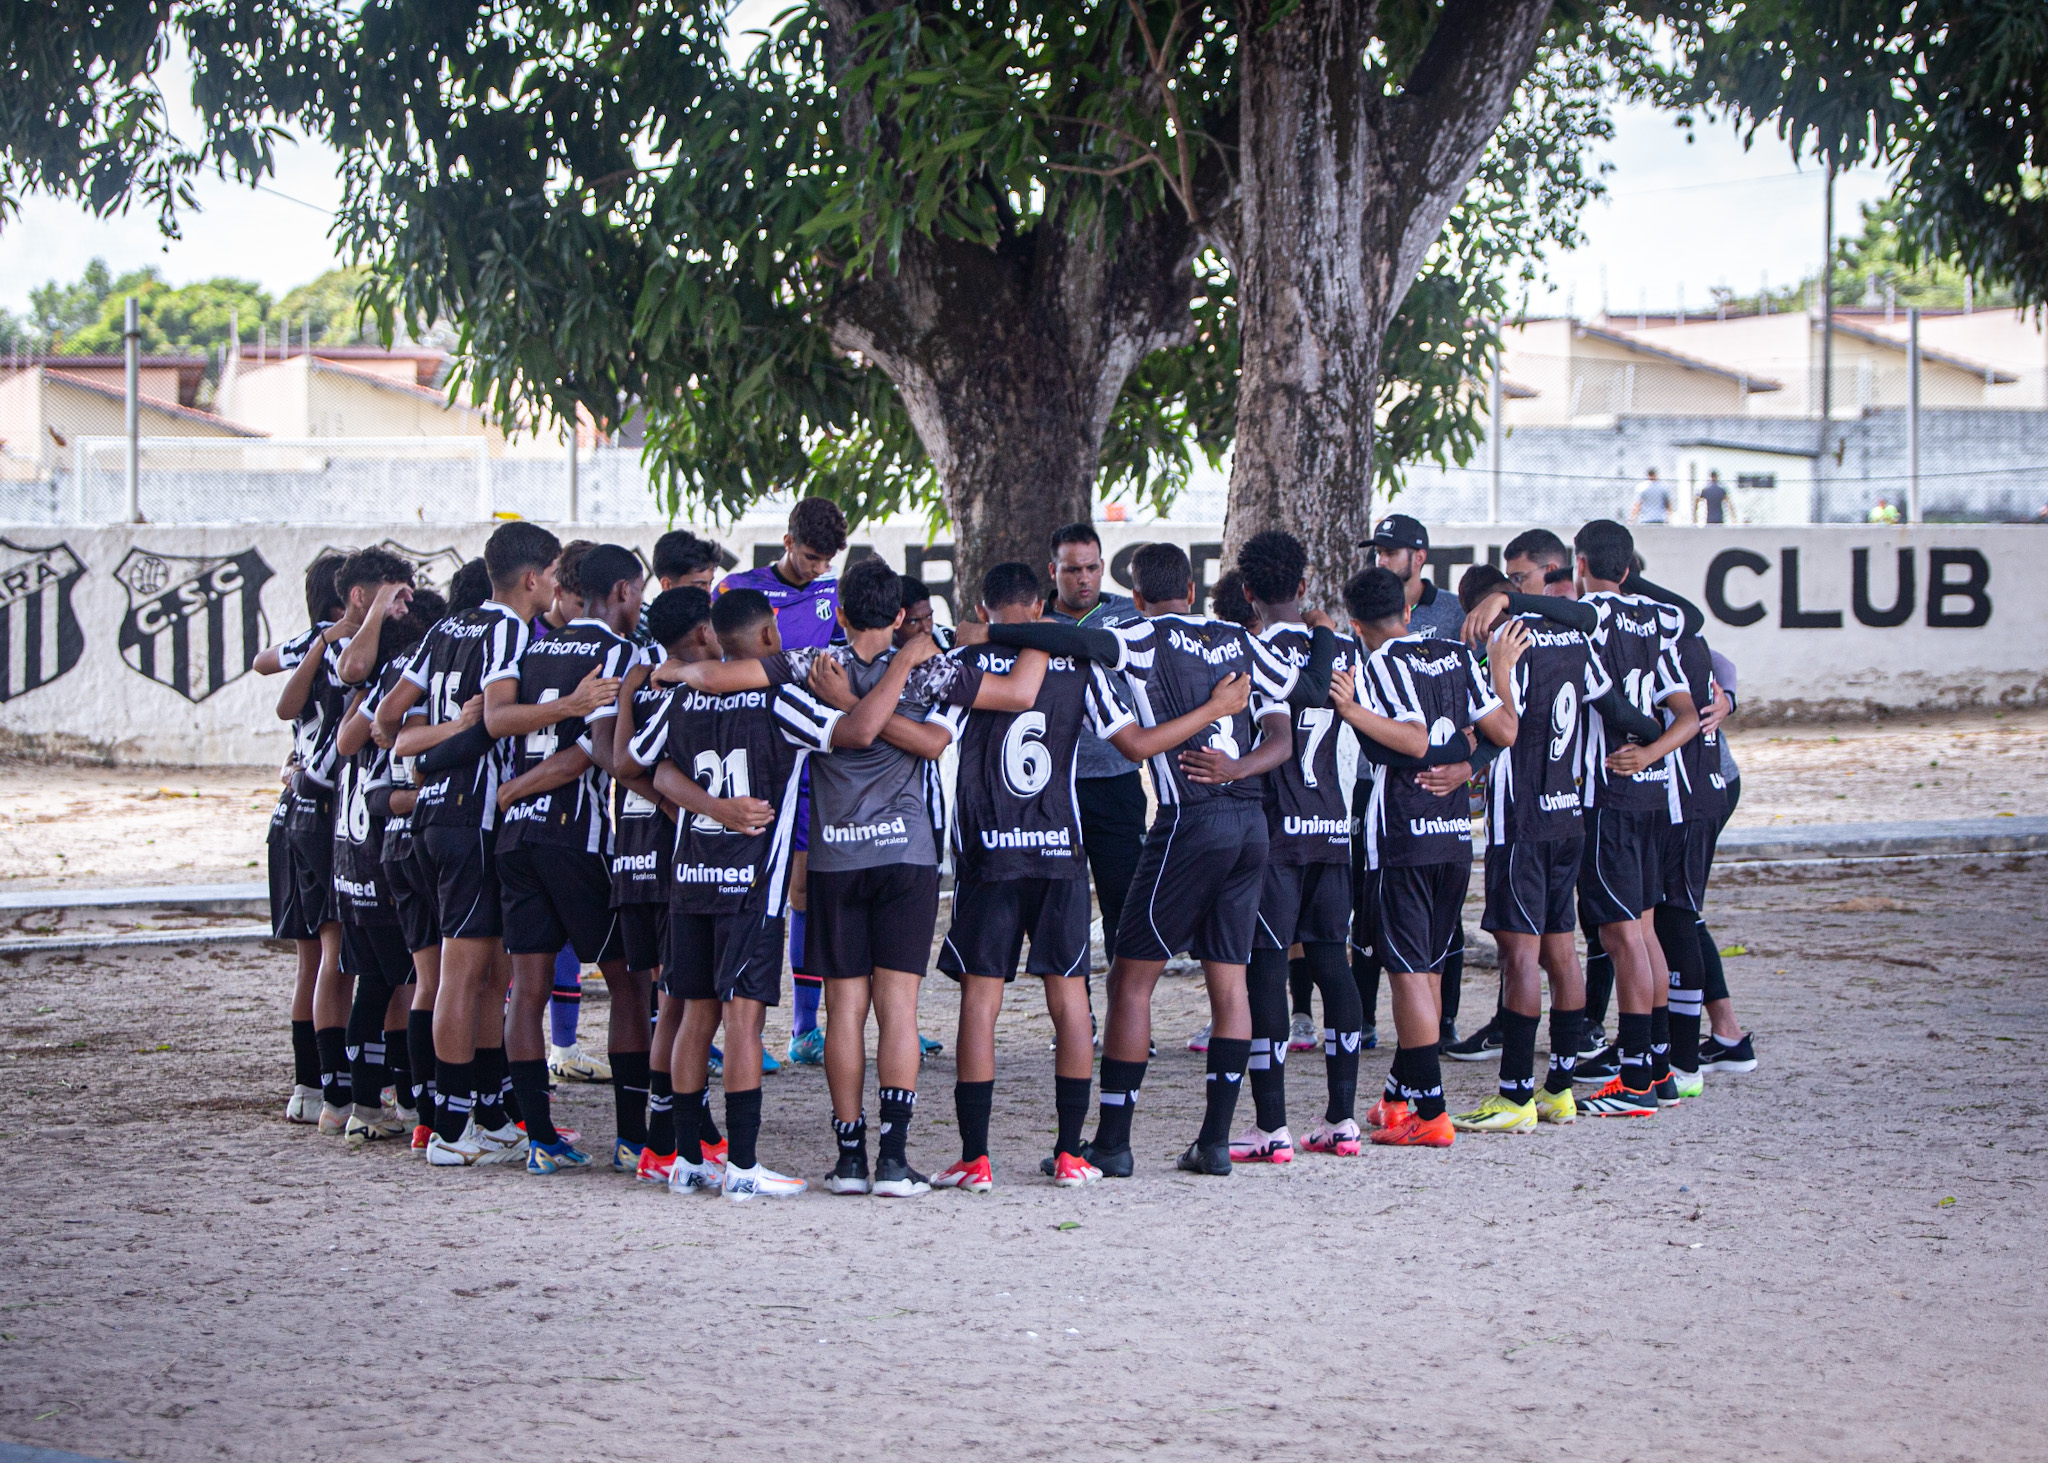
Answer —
1302 1035
376 1125
573 1064
500 1145
757 1182
695 1178
333 1120
464 1152
1199 1042
304 1106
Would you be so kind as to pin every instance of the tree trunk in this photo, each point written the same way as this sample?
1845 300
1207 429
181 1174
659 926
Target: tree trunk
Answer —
1342 191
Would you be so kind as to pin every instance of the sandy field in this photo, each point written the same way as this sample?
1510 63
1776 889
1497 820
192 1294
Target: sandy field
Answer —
1834 1257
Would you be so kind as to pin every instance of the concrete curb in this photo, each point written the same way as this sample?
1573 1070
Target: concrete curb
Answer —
46 944
20 1453
195 898
1823 841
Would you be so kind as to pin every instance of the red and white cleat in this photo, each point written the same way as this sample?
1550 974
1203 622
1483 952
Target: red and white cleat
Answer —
1070 1172
972 1176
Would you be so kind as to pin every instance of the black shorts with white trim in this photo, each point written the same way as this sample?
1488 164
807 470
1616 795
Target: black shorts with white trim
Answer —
377 951
412 895
643 933
461 867
723 957
1621 873
861 920
992 917
1530 887
301 881
556 896
1308 904
1687 853
1196 888
1420 913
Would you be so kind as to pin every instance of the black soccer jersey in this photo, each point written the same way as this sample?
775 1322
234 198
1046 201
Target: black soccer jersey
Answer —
1636 641
314 731
359 835
749 744
1533 789
1306 819
1437 684
460 656
643 836
1703 790
1170 666
1015 815
574 814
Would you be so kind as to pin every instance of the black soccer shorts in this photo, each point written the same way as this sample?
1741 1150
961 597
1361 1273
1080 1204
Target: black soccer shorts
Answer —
723 957
1196 888
301 882
1688 852
461 867
376 952
861 920
992 917
1621 873
1530 887
1309 904
556 896
1421 913
643 933
412 895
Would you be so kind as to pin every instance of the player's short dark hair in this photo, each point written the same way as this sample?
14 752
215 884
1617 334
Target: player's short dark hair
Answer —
371 566
1538 546
1009 584
428 608
871 593
818 525
676 612
400 633
320 593
915 591
517 547
1480 580
1228 600
1374 595
737 611
571 563
1075 533
470 587
681 552
603 569
1607 547
1272 564
1161 572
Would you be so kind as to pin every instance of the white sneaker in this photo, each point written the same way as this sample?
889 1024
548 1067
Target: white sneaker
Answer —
573 1064
333 1120
501 1145
388 1097
408 1115
742 1184
695 1178
1302 1035
376 1125
1199 1042
464 1152
304 1106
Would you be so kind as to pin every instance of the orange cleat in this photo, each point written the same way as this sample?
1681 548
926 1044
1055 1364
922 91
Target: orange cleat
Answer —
1384 1114
715 1152
1414 1132
969 1176
421 1136
566 1135
654 1167
1070 1172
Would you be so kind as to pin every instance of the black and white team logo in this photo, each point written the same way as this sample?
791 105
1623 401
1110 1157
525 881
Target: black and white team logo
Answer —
40 638
193 624
434 567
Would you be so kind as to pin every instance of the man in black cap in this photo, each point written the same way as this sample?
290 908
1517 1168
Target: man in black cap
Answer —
1401 544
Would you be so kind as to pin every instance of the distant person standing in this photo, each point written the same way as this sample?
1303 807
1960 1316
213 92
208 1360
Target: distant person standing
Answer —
1883 512
1401 544
1653 500
1715 500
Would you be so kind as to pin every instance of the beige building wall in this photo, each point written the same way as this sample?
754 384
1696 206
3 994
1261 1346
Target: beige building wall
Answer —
1580 375
1869 367
310 397
40 405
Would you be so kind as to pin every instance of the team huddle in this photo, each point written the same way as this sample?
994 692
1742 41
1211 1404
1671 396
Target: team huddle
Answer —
550 769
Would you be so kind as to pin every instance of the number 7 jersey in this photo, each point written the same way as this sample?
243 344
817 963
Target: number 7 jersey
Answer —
1307 818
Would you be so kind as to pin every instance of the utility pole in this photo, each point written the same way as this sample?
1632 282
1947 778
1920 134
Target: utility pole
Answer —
131 340
1913 414
575 484
1827 333
1496 429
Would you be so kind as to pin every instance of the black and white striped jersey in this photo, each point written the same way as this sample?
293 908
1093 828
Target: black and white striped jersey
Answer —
291 655
1170 665
749 744
1015 813
573 815
1533 787
1307 821
314 731
360 891
1636 640
460 656
1433 683
1697 764
643 836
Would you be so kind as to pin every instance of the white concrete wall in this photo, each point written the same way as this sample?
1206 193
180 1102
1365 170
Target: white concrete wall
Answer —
64 677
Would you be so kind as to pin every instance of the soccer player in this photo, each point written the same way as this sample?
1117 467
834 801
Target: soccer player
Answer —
1416 692
804 594
1728 1047
681 559
918 618
553 832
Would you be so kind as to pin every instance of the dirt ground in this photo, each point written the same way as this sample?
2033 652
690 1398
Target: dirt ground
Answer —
1835 1257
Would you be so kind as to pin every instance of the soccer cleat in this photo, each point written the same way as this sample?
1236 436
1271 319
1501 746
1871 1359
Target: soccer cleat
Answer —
1342 1139
1415 1132
1666 1091
769 1067
929 1046
1717 1057
1591 1043
554 1157
1498 1115
507 1144
1199 1042
1687 1084
714 1065
410 1116
572 1063
1111 1163
1069 1172
850 1176
378 1126
970 1176
1556 1107
1616 1101
757 1182
1447 1033
714 1152
895 1179
654 1167
694 1178
1302 1035
1384 1114
1370 1042
1255 1145
562 1134
1479 1046
304 1106
626 1157
1212 1159
463 1152
1602 1066
421 1137
808 1050
333 1120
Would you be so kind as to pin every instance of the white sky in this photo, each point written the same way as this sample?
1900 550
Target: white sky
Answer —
1679 216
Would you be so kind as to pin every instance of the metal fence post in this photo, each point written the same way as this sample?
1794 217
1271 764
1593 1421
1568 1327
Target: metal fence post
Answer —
131 337
575 486
485 508
1496 429
1913 414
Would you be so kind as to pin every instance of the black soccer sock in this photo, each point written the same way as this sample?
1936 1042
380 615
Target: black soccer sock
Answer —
707 1125
493 1085
1517 1056
419 1041
1070 1105
972 1103
530 1081
897 1103
335 1089
305 1055
1715 977
1228 1056
1679 932
1120 1083
852 1138
1660 1043
661 1115
1599 976
1301 984
1266 981
1634 1041
1365 974
455 1085
690 1134
743 1128
1422 1080
630 1079
1565 1035
398 1065
1267 1068
1450 985
364 1041
1341 1028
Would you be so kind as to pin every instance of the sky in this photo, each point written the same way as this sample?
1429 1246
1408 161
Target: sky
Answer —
1680 217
